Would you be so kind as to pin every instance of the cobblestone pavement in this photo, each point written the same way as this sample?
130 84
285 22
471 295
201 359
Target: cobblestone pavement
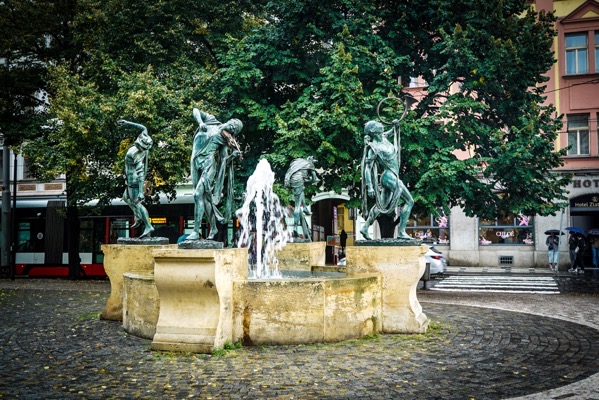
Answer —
53 346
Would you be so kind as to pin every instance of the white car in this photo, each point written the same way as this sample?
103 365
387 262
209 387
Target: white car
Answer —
437 261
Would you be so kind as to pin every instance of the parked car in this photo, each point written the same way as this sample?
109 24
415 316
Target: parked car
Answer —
437 260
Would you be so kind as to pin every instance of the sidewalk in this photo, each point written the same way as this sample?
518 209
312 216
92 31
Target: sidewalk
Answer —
53 346
498 270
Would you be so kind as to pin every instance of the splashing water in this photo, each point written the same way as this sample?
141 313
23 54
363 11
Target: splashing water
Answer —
262 229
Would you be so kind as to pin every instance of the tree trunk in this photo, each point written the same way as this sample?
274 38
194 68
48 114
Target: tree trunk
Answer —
73 232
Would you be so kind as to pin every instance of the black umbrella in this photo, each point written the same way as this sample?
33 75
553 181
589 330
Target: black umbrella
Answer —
556 231
594 231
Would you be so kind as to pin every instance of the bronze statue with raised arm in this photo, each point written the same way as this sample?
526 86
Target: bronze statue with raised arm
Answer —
214 149
301 172
380 177
136 168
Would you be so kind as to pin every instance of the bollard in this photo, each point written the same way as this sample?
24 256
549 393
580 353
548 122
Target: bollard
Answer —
427 275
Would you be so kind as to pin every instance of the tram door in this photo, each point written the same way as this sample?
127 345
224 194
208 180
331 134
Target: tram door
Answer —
54 232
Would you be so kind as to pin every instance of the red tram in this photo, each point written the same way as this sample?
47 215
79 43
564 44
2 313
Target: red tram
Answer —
41 234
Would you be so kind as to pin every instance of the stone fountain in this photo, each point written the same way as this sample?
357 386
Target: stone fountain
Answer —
197 299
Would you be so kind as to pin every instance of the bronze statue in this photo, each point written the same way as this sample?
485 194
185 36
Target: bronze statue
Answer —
301 172
380 177
136 167
214 148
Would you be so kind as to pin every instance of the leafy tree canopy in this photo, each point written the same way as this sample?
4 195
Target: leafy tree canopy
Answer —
304 76
309 78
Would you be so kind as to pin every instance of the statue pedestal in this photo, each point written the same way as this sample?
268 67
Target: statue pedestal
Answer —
302 256
400 268
140 304
119 259
195 290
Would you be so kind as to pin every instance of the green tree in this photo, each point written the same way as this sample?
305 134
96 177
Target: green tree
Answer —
483 62
109 60
33 35
304 76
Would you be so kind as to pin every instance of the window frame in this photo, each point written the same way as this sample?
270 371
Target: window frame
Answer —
433 227
577 50
512 230
596 36
578 130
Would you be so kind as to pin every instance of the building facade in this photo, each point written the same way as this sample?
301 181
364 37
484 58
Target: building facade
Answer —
573 87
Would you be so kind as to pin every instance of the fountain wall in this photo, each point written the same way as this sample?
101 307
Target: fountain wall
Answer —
197 300
118 260
302 256
310 310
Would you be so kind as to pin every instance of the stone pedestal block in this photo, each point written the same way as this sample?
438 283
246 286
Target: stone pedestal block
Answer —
140 304
302 256
401 268
119 259
195 289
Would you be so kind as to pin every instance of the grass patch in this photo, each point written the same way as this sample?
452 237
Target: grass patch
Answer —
3 295
90 316
228 346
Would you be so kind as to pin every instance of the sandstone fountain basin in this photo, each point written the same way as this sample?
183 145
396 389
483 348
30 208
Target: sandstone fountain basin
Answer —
198 300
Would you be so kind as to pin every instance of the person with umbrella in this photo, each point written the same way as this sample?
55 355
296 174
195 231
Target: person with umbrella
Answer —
582 243
594 241
552 243
577 245
573 246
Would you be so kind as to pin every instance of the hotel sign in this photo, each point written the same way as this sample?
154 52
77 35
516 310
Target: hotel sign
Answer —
589 201
585 183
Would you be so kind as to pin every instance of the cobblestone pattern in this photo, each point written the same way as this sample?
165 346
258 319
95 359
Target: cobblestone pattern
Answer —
53 346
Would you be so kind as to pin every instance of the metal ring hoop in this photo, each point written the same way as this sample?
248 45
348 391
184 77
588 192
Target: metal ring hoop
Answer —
397 99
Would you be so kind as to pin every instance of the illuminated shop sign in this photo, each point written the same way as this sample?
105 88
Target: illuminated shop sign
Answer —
588 201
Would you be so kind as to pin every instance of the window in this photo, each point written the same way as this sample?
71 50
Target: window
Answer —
24 243
576 54
413 81
507 229
26 171
578 135
430 228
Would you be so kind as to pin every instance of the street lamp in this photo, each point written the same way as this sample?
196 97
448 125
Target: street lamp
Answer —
5 259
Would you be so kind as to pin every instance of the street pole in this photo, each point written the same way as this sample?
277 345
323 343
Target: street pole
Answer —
559 240
14 233
6 226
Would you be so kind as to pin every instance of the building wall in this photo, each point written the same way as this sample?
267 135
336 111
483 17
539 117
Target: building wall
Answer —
571 94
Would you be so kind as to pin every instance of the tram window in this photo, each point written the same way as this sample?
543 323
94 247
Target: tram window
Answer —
29 239
24 243
86 236
119 228
99 238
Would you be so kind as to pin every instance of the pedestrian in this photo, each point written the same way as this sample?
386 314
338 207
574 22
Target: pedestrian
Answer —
343 240
552 243
580 253
572 245
594 242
